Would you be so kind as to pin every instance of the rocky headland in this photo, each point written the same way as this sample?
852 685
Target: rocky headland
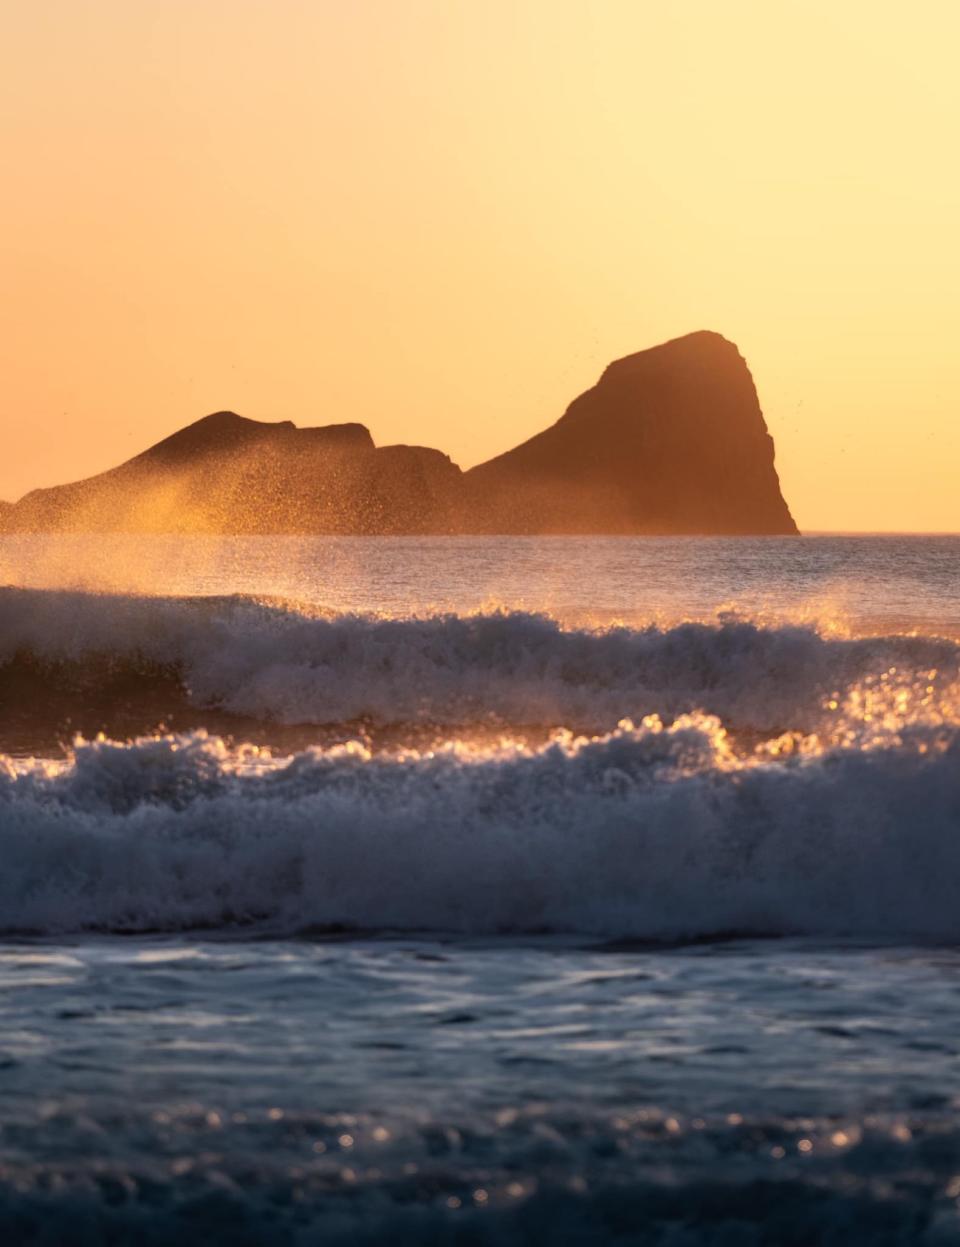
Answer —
669 440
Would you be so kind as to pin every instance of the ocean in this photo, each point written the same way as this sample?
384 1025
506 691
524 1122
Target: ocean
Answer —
480 891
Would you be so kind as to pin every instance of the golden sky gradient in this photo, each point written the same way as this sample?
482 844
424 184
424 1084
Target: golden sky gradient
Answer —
444 217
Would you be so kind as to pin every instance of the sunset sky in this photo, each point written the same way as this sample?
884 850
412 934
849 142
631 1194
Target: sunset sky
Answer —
443 218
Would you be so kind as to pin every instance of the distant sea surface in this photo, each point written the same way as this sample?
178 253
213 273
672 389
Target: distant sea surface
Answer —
480 891
913 580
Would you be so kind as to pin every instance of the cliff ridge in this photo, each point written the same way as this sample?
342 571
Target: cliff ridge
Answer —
669 440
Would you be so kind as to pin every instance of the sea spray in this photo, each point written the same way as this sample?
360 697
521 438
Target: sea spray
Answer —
283 664
650 831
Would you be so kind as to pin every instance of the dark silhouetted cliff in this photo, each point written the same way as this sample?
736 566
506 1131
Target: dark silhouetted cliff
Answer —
227 474
670 440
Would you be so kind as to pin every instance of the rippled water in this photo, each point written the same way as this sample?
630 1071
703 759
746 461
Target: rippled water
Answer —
879 579
398 1090
477 980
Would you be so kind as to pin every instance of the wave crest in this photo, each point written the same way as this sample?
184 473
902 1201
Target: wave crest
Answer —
277 664
650 831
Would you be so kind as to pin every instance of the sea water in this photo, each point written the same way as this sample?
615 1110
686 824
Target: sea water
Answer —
521 891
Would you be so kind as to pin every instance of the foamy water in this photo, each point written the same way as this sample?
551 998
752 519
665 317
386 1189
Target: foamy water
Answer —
441 908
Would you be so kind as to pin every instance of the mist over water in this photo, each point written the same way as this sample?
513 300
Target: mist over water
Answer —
427 890
903 581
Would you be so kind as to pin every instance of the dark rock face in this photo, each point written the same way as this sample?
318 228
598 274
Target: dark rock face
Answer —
227 474
670 440
225 431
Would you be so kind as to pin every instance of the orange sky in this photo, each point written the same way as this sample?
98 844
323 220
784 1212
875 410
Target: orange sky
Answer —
443 217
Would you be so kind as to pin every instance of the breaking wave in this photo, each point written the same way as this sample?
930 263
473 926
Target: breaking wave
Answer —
709 777
650 832
275 663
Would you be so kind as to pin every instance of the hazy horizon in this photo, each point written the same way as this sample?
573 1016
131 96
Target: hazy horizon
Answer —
808 532
444 220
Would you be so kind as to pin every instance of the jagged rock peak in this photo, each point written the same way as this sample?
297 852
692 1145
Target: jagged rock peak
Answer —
669 440
701 346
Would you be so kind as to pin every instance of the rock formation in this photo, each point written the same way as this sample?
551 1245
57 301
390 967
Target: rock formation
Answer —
670 440
227 474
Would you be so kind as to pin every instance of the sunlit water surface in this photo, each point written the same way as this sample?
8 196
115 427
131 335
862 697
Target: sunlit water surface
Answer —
899 579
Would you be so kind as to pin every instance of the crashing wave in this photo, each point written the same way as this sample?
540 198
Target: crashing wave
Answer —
650 831
278 664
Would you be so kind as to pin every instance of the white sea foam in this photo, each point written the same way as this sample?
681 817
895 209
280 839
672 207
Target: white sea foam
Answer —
781 779
279 664
645 832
